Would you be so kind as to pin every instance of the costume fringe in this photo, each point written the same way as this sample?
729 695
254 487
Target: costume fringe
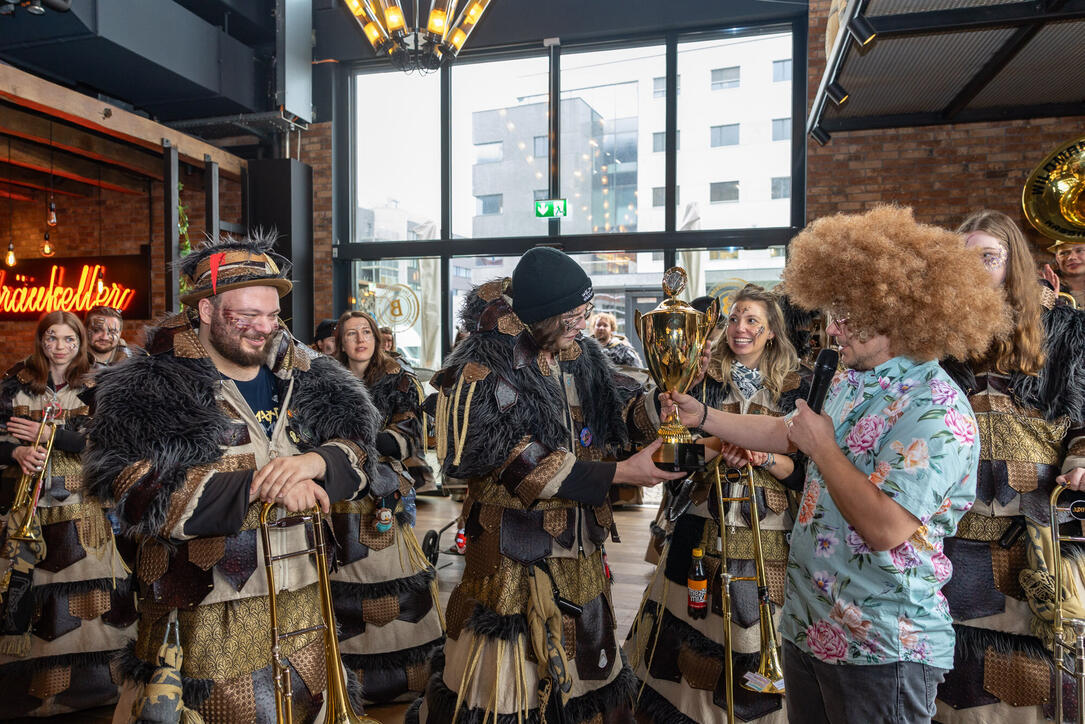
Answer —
123 586
15 644
657 710
395 659
488 623
352 594
974 642
78 660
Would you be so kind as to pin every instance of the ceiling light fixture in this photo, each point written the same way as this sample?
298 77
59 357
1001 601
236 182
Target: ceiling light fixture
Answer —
422 48
820 135
836 92
47 249
862 30
35 8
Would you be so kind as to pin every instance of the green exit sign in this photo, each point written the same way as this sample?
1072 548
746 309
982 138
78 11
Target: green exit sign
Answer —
550 208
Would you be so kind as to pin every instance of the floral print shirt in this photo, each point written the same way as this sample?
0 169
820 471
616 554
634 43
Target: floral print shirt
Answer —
911 430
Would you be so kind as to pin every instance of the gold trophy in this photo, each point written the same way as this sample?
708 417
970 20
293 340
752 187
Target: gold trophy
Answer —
673 335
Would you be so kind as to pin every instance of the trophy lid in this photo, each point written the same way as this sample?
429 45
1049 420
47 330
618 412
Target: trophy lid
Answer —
675 280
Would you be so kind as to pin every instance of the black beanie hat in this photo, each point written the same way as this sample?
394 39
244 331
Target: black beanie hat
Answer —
325 329
547 282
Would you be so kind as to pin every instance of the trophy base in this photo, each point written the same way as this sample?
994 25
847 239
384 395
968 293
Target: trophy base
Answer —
679 457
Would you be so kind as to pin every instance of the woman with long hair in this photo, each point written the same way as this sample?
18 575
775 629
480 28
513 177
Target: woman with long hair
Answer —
385 590
65 601
678 658
1027 392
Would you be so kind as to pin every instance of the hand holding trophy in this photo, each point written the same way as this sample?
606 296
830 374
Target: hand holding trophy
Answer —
673 335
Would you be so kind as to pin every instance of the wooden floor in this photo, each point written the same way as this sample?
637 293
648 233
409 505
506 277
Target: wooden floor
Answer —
631 575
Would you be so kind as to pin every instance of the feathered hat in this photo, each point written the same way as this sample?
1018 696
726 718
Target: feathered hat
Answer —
219 265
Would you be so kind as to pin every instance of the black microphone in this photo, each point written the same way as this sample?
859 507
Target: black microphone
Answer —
824 369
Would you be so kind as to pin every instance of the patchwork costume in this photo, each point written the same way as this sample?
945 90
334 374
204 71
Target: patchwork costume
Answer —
531 624
66 604
385 591
1030 430
679 661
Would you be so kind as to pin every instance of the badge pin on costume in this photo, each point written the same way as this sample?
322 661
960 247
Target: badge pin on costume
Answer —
384 519
585 436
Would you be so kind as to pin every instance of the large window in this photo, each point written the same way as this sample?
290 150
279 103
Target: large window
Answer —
723 192
393 206
606 137
498 113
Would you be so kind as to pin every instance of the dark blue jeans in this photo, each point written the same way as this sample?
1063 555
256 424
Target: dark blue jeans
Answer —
820 693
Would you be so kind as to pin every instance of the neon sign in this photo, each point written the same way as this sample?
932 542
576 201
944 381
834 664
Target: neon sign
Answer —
36 286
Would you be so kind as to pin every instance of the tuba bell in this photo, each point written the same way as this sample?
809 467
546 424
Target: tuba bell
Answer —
1053 199
337 708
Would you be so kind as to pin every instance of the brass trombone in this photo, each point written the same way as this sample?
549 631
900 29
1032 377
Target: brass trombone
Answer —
768 667
1064 646
337 708
28 489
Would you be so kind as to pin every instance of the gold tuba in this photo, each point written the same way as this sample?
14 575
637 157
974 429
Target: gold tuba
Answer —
28 489
1053 199
1071 643
770 673
337 708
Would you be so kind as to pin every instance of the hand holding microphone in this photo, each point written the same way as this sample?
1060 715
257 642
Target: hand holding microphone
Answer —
808 429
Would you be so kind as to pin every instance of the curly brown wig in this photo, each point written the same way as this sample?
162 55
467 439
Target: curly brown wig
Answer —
914 283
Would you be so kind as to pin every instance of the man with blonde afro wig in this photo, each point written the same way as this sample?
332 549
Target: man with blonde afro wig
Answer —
867 632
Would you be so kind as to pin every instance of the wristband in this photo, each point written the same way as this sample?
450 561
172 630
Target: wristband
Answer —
769 461
704 416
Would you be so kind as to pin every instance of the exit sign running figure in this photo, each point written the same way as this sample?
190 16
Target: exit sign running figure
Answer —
550 208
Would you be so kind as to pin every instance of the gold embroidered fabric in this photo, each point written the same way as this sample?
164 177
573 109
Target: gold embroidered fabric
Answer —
361 506
1014 437
555 522
701 672
233 700
129 477
50 682
89 605
74 511
492 290
222 641
740 542
974 526
94 529
510 324
580 580
1016 679
533 483
505 590
206 552
69 467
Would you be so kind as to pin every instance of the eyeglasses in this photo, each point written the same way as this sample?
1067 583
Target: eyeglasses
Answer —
837 318
572 321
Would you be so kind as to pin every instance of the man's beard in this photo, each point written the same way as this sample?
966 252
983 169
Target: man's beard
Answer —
108 348
226 339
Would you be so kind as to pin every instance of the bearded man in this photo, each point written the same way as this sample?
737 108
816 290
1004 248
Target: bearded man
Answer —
227 412
527 409
107 346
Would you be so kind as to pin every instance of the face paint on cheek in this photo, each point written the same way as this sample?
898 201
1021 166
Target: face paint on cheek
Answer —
996 259
759 332
238 322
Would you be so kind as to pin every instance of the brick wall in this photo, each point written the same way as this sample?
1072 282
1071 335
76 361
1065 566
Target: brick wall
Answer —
127 221
316 150
943 172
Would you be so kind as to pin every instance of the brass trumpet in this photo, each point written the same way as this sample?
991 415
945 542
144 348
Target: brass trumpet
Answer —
1071 643
337 708
28 489
768 668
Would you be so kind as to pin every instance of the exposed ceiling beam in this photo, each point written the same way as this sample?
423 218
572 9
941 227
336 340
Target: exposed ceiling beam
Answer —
38 158
973 18
38 181
977 115
29 91
6 193
994 65
39 129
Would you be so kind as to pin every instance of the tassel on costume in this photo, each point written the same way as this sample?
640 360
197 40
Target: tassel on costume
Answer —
162 701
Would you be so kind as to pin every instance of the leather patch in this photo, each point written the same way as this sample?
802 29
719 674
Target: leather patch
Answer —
380 611
596 651
505 395
963 685
122 611
487 320
50 682
474 372
90 687
183 585
384 685
1006 566
414 605
489 517
556 521
154 559
348 548
663 661
510 324
974 595
745 606
1015 678
88 605
239 561
775 499
597 534
309 662
349 618
749 705
490 291
370 538
206 552
700 672
55 619
524 352
521 466
62 546
604 516
483 555
522 536
235 435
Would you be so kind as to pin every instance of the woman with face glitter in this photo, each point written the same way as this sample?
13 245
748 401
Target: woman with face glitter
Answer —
755 370
1027 393
65 601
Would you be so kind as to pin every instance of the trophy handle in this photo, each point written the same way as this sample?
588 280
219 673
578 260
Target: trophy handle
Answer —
713 312
637 316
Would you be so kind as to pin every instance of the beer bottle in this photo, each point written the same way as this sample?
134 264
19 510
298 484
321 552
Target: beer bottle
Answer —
697 586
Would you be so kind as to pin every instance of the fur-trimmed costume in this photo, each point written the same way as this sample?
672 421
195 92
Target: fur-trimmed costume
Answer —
621 352
176 445
58 636
679 660
1031 429
385 591
532 615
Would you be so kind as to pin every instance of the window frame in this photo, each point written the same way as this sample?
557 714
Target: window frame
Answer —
712 131
668 241
717 85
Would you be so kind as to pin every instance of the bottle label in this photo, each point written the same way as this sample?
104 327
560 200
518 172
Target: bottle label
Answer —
698 593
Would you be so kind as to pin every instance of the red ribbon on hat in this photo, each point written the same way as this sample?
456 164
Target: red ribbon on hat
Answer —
216 259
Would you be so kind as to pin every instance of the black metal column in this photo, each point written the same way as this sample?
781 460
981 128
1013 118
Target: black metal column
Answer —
212 225
171 235
555 129
670 138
